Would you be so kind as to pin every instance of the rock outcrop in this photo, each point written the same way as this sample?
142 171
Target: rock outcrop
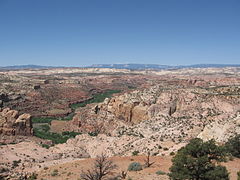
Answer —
169 114
222 131
12 124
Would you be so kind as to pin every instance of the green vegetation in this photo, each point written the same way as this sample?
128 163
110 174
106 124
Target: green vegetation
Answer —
43 132
96 99
93 134
16 162
49 119
233 146
198 160
160 173
54 173
45 146
238 175
135 166
42 119
135 153
33 176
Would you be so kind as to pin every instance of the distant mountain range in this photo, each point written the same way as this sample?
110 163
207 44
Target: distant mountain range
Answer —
29 66
157 66
127 66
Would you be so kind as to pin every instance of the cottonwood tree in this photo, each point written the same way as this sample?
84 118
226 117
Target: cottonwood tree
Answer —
102 168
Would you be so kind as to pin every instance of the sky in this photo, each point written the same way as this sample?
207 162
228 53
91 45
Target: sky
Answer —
85 32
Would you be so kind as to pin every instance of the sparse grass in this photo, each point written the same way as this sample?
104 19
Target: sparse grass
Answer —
160 173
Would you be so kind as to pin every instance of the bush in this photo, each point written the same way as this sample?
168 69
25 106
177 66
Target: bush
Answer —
93 134
160 173
217 173
45 146
238 174
134 166
135 153
54 173
32 176
15 163
233 146
197 160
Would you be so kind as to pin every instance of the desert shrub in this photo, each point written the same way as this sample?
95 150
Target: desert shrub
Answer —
102 169
45 146
197 160
32 176
165 149
54 173
160 173
3 169
15 163
93 134
238 175
134 166
233 146
172 153
135 153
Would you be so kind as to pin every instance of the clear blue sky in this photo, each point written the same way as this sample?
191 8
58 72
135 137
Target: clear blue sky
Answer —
84 32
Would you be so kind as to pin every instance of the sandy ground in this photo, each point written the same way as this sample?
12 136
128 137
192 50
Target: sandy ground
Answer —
72 170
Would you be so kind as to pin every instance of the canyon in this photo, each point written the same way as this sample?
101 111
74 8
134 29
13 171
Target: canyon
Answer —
114 111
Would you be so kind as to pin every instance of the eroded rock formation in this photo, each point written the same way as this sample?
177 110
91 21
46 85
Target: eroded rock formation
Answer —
12 124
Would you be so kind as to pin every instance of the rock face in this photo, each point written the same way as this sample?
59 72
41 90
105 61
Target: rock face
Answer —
12 124
221 132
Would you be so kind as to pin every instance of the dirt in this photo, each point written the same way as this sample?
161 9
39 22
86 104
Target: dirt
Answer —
72 170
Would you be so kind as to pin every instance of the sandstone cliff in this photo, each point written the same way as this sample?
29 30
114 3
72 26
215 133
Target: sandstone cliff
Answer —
12 124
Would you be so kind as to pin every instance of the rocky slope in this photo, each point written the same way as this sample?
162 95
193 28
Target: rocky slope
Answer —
168 114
